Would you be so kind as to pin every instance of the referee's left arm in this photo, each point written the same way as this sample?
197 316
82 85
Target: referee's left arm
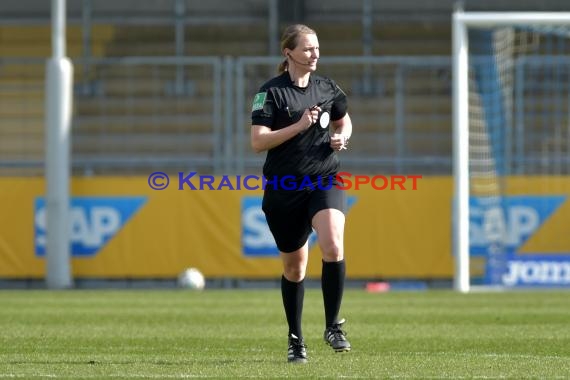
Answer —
342 130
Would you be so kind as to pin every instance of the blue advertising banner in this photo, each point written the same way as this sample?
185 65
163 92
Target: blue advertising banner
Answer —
500 227
93 222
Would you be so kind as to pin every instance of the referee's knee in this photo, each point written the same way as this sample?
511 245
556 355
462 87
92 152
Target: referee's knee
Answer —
332 252
294 274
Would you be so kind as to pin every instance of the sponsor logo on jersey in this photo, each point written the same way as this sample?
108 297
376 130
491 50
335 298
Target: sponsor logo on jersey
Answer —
258 101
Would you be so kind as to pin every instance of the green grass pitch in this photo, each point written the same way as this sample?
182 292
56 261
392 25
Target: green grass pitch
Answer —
171 334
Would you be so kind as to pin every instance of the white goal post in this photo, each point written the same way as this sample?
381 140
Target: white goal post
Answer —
58 106
461 23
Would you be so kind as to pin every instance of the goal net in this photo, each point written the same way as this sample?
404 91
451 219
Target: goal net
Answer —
511 148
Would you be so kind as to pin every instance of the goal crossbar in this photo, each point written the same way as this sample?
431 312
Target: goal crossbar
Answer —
487 19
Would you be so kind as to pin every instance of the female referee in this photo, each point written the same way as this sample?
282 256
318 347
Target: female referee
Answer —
301 120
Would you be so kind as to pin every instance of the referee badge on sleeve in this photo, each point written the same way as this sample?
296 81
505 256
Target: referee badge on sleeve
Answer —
258 101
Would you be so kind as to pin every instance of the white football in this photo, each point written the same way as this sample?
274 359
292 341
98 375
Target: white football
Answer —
191 278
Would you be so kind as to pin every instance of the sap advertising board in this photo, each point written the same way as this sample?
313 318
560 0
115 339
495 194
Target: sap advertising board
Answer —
499 229
510 222
93 222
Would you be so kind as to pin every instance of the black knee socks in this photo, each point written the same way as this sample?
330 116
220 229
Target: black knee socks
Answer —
293 294
332 283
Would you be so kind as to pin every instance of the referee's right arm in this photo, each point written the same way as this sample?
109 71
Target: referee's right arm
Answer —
264 138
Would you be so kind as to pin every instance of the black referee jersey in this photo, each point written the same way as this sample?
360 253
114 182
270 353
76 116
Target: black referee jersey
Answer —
280 103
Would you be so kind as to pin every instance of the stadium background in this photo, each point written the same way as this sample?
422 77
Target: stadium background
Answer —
166 86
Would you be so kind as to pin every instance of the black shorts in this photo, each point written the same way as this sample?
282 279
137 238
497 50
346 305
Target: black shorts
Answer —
289 213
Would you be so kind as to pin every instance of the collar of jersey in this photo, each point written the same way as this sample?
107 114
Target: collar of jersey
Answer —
293 83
